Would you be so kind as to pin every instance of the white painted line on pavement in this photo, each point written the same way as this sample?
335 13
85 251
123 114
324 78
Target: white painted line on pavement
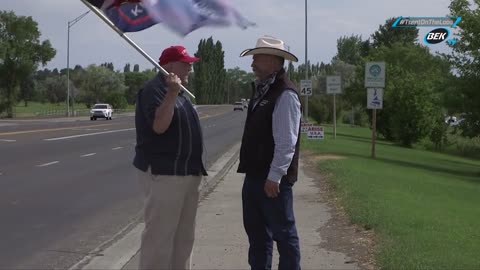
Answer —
117 148
88 134
5 140
88 155
48 164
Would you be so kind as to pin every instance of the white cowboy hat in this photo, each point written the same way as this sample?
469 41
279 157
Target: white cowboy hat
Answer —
272 46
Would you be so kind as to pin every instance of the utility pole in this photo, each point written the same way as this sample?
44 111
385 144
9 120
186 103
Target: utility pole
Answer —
306 61
70 24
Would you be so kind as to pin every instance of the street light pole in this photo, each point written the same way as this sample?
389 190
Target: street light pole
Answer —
306 62
70 24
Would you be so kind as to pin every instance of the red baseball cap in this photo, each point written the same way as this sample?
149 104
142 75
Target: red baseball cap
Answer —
176 53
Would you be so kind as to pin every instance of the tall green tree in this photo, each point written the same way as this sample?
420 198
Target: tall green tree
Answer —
465 57
386 35
350 49
209 73
20 54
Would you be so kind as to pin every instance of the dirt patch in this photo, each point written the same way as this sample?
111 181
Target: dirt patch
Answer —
339 233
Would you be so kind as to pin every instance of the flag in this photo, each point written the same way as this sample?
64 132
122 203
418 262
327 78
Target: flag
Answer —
184 16
126 15
181 16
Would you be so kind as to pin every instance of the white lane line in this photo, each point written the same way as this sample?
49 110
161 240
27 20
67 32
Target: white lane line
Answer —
5 140
117 148
88 155
88 134
48 164
87 129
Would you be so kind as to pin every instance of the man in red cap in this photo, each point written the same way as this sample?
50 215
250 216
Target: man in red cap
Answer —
168 156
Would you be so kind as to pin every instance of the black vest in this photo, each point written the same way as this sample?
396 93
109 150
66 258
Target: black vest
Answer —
256 152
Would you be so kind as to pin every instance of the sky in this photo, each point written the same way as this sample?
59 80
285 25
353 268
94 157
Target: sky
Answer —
93 42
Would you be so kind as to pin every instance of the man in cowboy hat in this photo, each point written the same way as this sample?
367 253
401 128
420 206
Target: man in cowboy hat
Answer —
269 158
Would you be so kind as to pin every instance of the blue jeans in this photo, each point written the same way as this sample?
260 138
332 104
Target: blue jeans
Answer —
267 219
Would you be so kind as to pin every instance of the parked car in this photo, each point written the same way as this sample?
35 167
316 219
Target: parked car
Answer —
238 106
245 103
102 110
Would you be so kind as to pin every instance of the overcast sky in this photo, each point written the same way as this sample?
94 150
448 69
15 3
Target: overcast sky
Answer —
93 42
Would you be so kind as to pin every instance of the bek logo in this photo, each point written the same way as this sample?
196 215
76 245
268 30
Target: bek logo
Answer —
437 35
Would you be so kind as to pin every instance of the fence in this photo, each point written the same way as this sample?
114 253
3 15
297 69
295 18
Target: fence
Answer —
59 113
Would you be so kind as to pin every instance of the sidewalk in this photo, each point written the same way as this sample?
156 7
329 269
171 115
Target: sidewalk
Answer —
221 242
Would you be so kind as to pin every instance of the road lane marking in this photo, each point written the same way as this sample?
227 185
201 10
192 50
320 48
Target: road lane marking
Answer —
5 140
208 115
117 148
88 134
88 129
48 129
88 155
48 164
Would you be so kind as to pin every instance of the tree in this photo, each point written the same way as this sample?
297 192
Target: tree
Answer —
466 59
134 81
126 68
209 73
136 68
27 89
412 94
108 65
53 88
20 53
100 83
388 35
350 50
238 84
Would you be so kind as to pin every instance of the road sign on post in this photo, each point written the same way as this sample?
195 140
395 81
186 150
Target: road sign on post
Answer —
374 82
306 88
374 98
334 86
375 75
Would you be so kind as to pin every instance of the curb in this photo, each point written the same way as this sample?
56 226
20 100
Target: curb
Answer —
116 252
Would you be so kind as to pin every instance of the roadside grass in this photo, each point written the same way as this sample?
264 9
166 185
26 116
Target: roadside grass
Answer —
423 206
37 107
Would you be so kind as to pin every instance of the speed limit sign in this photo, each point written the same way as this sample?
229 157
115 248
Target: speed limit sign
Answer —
306 87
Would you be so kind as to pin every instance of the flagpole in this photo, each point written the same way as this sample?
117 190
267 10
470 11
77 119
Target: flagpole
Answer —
142 52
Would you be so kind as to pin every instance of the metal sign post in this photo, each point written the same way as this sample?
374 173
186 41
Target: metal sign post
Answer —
334 86
374 82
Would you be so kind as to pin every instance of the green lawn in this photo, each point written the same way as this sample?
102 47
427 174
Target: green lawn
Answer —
423 206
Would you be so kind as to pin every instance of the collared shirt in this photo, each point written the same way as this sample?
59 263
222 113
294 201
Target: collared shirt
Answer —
177 151
285 125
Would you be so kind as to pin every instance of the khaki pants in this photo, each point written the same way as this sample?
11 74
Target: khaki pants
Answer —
170 212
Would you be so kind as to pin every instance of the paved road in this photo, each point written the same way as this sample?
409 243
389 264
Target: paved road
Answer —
67 186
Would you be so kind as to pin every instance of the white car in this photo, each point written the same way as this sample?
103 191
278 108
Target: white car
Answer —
238 106
102 110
